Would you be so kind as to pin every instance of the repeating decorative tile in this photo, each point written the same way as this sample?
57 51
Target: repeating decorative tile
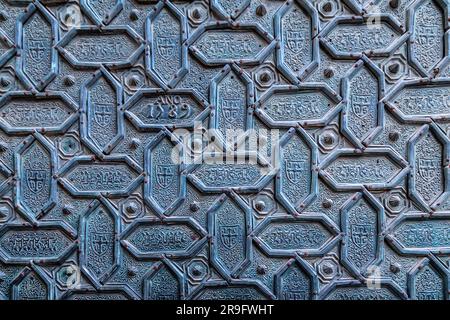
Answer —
217 149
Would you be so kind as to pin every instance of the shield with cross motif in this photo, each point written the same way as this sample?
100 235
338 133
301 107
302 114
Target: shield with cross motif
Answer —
295 39
231 109
103 114
100 242
36 49
361 105
295 170
428 167
166 46
165 174
229 236
35 179
361 234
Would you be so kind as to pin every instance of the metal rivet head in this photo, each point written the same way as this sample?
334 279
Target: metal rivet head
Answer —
3 15
196 14
261 269
327 203
69 271
394 4
328 72
134 143
69 81
5 82
394 68
260 205
133 81
67 209
3 146
131 207
394 201
327 7
328 139
194 206
328 269
265 77
261 10
196 271
394 136
134 14
132 271
394 267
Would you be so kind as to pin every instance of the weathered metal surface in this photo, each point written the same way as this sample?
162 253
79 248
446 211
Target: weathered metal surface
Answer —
329 121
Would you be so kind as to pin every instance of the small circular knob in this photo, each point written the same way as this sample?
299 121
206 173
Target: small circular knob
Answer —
134 143
261 269
194 206
132 271
395 267
394 201
131 207
394 136
394 4
261 10
196 14
67 209
260 205
327 203
328 72
394 68
196 271
134 14
69 81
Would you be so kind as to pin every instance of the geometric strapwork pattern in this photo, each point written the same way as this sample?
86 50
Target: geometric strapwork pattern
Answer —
251 149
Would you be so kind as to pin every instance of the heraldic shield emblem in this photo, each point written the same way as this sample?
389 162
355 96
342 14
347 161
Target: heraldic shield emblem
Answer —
295 40
103 113
428 168
36 49
167 46
165 174
229 236
36 179
361 105
231 109
295 170
100 242
361 234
